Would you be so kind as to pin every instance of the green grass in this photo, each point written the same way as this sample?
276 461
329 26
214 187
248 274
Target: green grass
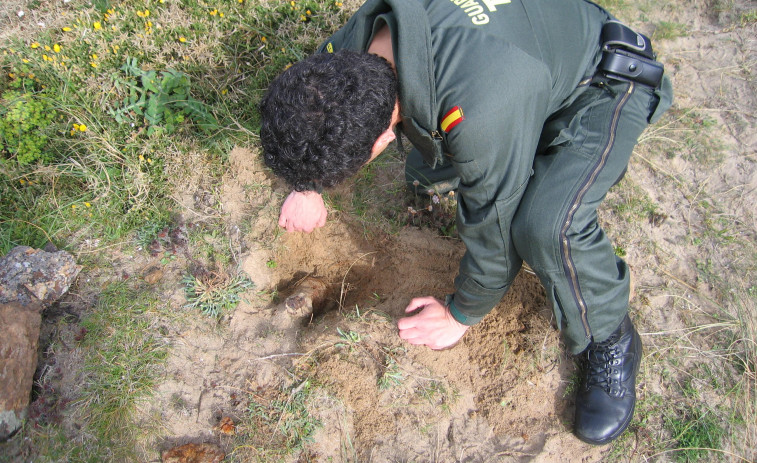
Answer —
666 30
277 424
122 363
124 88
697 433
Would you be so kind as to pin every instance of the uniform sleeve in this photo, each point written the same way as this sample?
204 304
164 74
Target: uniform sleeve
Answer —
492 151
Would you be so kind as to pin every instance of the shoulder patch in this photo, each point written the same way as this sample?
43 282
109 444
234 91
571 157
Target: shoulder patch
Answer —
330 47
453 117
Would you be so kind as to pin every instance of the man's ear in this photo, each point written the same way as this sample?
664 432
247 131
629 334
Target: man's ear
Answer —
386 137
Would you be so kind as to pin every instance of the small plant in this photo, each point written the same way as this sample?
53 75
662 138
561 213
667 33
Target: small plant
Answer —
620 251
282 425
750 17
214 295
392 376
436 393
350 337
25 118
161 99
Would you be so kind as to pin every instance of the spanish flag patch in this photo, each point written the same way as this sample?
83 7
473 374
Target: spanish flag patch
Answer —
453 117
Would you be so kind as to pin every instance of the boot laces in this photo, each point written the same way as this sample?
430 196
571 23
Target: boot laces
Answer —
603 361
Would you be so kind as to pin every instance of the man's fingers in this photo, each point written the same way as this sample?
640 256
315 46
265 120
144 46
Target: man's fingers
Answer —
418 303
406 324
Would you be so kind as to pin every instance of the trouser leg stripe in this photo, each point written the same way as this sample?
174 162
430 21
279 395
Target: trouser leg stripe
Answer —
568 264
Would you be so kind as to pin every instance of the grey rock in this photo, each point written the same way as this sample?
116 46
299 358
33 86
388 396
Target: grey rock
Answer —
28 274
30 280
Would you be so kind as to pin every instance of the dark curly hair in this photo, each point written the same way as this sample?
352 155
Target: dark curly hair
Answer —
321 117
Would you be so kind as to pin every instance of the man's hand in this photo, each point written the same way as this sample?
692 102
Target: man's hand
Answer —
433 326
303 211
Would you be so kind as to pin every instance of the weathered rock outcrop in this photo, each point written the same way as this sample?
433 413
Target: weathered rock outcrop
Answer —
30 280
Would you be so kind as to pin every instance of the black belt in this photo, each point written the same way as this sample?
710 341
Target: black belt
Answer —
628 55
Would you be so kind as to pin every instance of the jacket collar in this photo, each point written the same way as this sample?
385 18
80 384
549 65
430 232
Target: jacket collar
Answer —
411 41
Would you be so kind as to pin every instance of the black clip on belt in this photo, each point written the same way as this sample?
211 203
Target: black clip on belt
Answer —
627 55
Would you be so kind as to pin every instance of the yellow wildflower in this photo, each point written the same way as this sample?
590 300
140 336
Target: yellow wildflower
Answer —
303 18
141 158
22 181
214 12
82 128
87 205
149 160
66 29
34 45
56 48
11 75
93 64
308 12
24 60
97 25
182 39
224 91
220 15
47 48
73 206
263 39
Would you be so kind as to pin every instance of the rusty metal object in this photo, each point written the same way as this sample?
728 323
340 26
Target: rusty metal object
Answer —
194 453
309 293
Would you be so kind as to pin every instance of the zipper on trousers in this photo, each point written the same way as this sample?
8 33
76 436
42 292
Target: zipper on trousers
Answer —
570 268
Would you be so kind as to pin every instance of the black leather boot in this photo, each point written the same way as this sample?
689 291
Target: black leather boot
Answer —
606 399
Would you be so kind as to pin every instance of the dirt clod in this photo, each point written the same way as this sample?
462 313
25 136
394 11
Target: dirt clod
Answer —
194 453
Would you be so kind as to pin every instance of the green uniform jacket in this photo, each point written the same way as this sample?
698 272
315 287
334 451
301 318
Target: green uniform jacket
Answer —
507 65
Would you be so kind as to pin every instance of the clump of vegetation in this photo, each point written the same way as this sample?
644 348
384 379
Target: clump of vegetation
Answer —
279 424
215 294
25 120
162 100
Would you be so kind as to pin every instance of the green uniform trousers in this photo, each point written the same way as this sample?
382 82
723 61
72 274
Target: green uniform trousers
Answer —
583 150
